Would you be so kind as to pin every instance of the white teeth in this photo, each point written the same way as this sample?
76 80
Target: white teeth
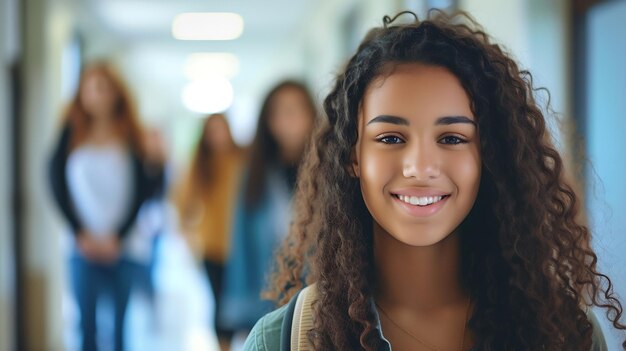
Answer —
420 201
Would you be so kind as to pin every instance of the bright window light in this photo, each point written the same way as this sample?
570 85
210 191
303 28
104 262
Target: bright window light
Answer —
207 26
208 65
208 96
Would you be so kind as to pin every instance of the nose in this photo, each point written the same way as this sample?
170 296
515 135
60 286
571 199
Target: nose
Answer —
421 162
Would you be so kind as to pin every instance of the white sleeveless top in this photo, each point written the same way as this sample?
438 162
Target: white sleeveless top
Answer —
100 184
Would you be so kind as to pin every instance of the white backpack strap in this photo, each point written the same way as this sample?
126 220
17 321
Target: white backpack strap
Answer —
303 319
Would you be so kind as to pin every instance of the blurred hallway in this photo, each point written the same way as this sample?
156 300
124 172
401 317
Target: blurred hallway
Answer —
571 48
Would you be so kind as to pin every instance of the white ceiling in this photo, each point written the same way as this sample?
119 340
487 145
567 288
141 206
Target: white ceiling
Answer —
137 34
151 19
269 25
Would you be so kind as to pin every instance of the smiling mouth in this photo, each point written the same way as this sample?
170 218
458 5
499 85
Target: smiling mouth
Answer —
421 201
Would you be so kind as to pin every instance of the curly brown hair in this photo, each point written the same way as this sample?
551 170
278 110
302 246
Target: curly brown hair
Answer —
528 267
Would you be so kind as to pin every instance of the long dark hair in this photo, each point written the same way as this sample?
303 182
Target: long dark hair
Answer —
264 151
528 267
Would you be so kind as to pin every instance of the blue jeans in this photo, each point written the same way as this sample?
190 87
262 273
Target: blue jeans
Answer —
90 280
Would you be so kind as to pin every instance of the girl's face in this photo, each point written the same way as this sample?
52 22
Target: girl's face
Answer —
417 154
290 119
97 94
217 135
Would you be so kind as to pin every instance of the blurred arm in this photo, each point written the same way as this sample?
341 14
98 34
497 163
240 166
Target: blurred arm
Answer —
149 179
58 181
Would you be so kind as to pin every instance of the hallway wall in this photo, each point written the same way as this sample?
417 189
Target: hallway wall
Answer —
606 145
43 43
6 243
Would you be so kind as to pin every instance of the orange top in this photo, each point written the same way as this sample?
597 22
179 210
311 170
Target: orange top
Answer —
206 211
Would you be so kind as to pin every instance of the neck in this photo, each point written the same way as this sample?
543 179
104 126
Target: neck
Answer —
291 155
418 278
223 151
102 127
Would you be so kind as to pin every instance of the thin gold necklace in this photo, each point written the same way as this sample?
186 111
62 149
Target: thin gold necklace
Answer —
424 343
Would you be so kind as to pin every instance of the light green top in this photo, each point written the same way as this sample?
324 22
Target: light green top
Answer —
266 332
265 336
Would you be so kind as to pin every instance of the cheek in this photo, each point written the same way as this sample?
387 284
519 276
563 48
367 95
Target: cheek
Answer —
109 98
376 171
88 99
466 171
302 124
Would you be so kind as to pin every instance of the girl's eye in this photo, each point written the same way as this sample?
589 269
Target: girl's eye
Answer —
452 140
390 139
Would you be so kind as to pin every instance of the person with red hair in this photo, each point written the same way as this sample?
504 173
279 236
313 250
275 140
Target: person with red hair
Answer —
101 173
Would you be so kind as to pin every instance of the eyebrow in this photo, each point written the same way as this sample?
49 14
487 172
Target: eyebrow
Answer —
454 119
389 119
445 121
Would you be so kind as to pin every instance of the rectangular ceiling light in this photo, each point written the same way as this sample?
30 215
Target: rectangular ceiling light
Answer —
207 26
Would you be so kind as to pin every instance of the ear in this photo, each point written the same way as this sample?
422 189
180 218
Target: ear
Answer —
353 168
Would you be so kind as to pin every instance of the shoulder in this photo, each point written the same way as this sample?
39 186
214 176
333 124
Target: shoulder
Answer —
274 330
598 343
266 334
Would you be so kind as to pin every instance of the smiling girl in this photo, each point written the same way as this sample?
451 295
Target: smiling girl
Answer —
432 211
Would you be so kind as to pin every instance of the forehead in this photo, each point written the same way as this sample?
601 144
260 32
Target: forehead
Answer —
215 122
288 94
96 78
416 90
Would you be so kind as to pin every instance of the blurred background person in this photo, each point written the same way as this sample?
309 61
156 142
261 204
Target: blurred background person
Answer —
204 202
152 220
262 212
101 173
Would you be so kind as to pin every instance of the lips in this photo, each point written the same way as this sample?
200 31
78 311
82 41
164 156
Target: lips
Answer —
420 202
420 192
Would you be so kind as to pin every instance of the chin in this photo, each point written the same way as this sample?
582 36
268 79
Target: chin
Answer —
423 235
420 240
